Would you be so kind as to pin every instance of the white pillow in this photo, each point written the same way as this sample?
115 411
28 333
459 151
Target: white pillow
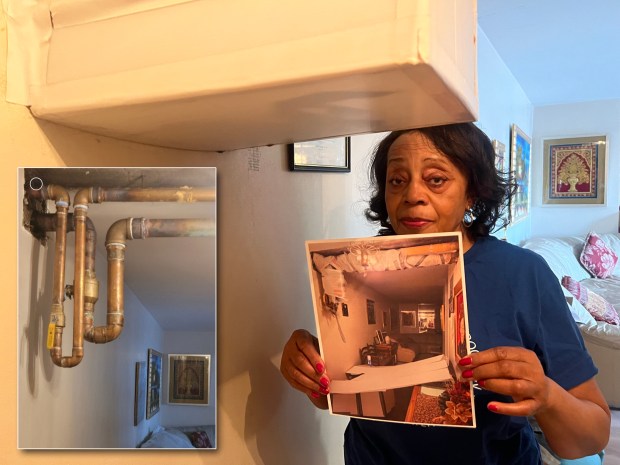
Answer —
577 310
613 241
560 255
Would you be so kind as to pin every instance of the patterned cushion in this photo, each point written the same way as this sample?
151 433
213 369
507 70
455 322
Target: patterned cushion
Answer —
597 257
577 310
200 440
598 307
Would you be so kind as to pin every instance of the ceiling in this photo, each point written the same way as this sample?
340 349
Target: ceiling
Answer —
174 278
560 51
421 285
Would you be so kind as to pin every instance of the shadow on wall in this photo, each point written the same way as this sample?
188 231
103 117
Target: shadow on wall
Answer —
281 422
33 340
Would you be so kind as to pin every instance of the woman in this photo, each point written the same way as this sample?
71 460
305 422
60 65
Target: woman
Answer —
529 360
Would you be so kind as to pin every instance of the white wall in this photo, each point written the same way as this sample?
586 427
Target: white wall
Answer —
502 103
579 119
92 404
189 342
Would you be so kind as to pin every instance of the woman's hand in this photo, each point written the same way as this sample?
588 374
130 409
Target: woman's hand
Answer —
575 422
512 371
303 367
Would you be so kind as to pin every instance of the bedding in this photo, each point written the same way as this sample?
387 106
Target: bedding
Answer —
180 437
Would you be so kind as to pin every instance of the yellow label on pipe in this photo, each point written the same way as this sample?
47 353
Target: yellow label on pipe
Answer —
51 329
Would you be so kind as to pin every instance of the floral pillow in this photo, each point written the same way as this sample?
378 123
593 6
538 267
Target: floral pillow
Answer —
597 257
598 307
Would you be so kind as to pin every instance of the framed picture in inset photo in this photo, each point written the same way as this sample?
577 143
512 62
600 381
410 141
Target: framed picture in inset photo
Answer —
140 393
574 171
188 379
153 383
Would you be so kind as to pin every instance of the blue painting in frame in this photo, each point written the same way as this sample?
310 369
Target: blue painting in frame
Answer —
520 157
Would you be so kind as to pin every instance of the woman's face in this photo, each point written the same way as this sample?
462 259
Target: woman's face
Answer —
425 192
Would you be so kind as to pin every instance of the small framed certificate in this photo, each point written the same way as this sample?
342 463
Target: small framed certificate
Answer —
321 155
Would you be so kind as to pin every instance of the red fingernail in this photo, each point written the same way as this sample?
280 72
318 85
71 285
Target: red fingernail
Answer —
324 381
481 382
316 395
323 390
468 373
492 407
465 361
319 368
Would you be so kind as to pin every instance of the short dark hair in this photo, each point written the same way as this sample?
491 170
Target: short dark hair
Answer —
472 153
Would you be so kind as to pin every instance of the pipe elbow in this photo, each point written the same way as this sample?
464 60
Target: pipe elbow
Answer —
118 232
103 334
67 362
83 196
58 194
76 357
114 331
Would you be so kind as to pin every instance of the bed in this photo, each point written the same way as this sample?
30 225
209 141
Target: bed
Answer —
180 437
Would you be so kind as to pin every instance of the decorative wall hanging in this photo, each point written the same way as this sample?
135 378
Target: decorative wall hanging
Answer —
520 168
321 155
574 171
188 379
153 386
140 393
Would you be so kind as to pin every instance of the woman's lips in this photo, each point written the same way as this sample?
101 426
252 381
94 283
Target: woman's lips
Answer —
414 223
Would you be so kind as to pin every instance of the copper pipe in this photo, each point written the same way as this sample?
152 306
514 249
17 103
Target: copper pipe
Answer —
116 250
118 234
57 316
115 317
130 194
46 222
85 285
142 228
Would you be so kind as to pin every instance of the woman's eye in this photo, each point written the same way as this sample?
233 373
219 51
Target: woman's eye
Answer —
436 181
396 182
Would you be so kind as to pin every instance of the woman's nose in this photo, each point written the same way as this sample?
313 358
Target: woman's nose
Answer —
416 193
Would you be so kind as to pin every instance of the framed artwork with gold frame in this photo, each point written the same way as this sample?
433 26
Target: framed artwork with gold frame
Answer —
188 379
574 171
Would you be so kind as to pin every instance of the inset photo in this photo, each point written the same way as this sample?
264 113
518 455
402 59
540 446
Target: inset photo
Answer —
117 274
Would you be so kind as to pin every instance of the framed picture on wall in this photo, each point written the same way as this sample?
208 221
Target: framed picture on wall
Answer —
500 155
153 383
321 155
188 379
140 394
520 148
370 312
574 171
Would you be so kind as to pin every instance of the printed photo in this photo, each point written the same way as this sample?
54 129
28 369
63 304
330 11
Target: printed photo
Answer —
394 357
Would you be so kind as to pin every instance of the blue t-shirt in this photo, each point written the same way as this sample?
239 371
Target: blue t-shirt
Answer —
513 299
